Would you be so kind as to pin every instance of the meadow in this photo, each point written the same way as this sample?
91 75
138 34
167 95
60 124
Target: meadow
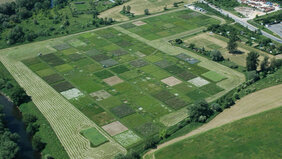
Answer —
211 42
253 137
118 84
110 76
169 24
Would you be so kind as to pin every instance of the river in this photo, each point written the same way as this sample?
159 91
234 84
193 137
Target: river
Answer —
14 122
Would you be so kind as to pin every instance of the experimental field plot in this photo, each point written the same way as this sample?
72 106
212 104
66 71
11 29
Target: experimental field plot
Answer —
169 24
122 84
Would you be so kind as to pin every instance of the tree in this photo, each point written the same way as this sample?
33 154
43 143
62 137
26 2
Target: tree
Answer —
37 144
165 8
216 107
146 12
216 56
232 46
175 4
128 9
200 108
19 96
252 61
123 9
264 64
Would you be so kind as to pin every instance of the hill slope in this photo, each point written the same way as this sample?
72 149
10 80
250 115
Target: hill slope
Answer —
257 136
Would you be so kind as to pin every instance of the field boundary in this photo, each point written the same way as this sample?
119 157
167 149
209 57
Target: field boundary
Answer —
257 102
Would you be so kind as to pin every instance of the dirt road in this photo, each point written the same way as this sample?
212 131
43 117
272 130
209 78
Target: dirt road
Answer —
251 104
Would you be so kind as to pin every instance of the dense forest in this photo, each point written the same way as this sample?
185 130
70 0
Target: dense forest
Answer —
28 20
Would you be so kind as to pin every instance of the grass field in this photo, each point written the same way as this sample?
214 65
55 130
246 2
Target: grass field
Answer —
94 136
113 75
116 89
253 137
138 7
216 42
170 24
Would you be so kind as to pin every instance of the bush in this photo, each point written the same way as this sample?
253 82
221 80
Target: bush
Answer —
200 108
216 107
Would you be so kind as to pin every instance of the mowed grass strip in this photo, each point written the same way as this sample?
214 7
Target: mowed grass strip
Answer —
94 136
258 136
214 76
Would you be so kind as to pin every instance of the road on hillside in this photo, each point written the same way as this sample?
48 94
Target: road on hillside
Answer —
243 21
257 102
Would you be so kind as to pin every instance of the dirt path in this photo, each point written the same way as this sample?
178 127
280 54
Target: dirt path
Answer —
251 104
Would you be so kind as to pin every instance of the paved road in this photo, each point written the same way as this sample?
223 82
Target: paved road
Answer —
243 21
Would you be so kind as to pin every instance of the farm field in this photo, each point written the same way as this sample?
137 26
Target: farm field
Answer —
110 77
169 24
215 42
257 136
117 86
138 7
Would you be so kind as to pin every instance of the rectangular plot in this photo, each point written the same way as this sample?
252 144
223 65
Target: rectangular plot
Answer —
45 72
93 52
31 61
173 69
38 66
139 63
60 47
212 89
186 75
114 128
187 58
148 129
103 74
75 57
175 103
120 69
163 95
100 57
124 43
94 136
119 52
54 78
122 110
199 82
100 95
76 43
63 86
103 118
127 138
211 75
197 94
109 63
163 63
52 59
73 93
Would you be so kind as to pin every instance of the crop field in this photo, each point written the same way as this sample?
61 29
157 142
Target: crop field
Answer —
169 24
119 88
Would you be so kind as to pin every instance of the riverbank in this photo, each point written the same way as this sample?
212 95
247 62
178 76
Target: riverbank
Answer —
11 89
13 121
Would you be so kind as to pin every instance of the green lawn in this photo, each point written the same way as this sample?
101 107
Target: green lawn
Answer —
257 136
94 136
